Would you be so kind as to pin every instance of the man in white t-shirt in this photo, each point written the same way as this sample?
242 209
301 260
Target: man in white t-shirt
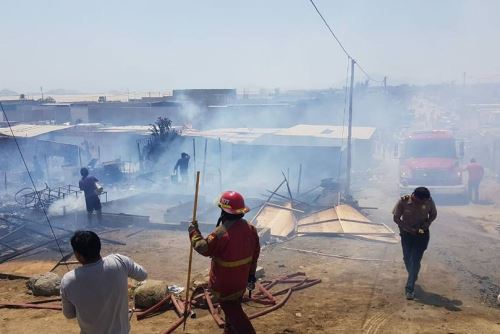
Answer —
97 292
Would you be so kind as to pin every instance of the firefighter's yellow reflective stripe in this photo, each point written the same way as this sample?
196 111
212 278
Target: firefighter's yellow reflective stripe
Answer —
234 296
233 264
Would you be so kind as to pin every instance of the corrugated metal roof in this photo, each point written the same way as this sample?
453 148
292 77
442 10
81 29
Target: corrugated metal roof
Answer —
31 130
230 135
299 135
132 129
327 131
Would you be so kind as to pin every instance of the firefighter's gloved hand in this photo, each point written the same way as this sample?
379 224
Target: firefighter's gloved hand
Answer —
251 282
193 227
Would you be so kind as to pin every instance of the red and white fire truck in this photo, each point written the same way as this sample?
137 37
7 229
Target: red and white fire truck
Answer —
431 159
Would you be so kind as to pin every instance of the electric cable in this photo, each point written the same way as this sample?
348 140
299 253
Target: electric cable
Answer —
33 183
341 45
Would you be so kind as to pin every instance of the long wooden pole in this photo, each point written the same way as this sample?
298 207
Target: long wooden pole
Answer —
195 207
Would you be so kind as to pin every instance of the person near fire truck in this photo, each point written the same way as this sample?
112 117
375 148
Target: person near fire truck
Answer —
414 214
475 175
234 248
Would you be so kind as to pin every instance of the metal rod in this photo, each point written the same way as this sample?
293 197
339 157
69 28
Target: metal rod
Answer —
194 158
268 199
300 179
220 165
204 161
287 186
47 168
349 134
284 197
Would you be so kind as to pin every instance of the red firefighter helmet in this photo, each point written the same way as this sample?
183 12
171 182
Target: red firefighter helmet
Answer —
232 202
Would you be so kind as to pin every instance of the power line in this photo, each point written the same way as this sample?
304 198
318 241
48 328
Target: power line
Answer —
33 183
341 45
367 75
331 31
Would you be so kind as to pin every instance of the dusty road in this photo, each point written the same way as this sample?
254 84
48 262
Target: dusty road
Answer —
456 289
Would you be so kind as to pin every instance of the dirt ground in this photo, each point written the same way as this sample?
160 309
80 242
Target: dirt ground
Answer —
456 291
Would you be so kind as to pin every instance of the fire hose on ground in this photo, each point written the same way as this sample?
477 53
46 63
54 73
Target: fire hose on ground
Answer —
202 298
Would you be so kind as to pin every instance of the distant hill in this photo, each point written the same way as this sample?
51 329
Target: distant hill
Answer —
61 91
8 92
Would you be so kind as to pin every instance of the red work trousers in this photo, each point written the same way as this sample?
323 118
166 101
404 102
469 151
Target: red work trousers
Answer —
237 321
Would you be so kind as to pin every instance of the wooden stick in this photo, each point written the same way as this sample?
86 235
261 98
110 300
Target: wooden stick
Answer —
63 263
195 207
37 306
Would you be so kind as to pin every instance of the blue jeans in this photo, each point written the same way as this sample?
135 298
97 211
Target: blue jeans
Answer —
473 188
414 247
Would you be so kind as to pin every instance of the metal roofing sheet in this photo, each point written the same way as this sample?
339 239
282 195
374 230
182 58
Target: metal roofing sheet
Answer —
230 135
31 130
327 131
132 129
299 135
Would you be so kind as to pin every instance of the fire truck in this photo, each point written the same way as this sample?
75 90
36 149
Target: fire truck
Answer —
431 159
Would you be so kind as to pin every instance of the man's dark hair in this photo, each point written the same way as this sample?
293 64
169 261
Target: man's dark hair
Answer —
84 172
472 160
184 155
87 244
422 193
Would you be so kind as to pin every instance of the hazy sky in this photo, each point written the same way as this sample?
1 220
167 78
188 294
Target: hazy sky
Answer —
158 45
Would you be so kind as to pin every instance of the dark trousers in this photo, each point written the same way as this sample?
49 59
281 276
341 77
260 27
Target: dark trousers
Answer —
473 188
237 321
414 247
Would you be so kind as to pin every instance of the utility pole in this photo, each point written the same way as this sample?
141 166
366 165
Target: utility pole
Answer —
464 79
385 83
41 90
349 134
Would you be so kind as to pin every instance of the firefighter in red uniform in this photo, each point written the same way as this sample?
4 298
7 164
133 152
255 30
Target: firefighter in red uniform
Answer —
234 248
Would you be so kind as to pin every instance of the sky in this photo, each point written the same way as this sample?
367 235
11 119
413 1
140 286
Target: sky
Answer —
93 46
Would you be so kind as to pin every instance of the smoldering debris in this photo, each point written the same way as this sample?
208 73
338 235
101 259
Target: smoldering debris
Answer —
67 205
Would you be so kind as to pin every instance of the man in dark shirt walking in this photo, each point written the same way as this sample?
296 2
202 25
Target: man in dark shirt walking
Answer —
182 165
89 186
414 214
